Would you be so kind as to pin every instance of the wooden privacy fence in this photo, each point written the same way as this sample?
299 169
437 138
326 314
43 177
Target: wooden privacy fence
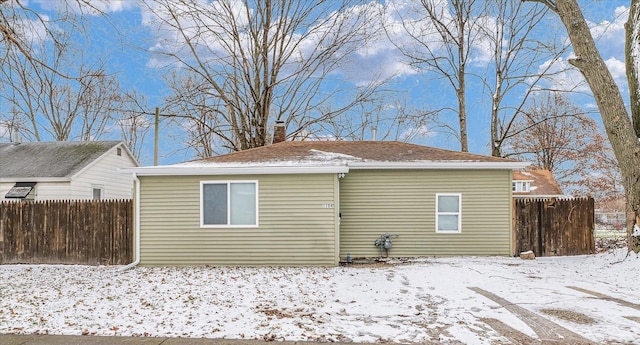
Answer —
551 227
67 232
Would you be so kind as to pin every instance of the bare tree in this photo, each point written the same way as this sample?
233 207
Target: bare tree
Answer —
242 65
385 118
616 119
555 134
602 178
203 120
52 105
134 122
21 27
511 31
443 35
51 90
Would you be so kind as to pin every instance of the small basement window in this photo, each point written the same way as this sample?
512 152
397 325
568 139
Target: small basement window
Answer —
229 204
21 190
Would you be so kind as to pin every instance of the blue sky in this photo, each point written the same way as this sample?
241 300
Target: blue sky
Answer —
121 36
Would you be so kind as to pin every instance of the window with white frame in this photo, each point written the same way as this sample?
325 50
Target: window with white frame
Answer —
449 213
229 203
521 186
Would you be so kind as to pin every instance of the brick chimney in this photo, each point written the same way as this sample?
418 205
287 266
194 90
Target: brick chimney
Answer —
279 132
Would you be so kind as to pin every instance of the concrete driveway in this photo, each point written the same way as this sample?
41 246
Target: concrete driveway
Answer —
12 339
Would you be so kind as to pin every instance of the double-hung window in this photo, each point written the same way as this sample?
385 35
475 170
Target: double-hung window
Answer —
229 203
449 213
521 186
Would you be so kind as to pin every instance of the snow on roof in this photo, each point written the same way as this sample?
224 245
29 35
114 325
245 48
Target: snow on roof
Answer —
293 156
324 156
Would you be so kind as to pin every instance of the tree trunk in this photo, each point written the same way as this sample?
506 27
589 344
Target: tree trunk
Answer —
462 88
496 141
611 105
632 54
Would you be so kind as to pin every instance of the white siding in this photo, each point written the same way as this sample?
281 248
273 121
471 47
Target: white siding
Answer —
43 191
4 188
52 191
104 173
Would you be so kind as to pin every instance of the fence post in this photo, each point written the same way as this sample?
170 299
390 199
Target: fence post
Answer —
2 217
541 226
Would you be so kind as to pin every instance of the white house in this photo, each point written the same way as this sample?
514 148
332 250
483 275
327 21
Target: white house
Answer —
65 171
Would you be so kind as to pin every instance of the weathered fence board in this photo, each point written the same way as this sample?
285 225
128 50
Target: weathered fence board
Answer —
551 227
68 232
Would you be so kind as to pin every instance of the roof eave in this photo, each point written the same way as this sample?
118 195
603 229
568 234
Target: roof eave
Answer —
543 196
439 165
240 169
34 179
233 170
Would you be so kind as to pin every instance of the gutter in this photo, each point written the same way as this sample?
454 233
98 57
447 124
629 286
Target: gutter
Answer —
192 170
136 227
439 165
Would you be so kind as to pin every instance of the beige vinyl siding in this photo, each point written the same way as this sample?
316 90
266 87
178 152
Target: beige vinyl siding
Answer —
374 202
294 228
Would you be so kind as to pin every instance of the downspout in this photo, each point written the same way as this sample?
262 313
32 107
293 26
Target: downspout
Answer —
136 226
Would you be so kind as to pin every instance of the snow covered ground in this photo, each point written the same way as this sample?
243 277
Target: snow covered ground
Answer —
426 300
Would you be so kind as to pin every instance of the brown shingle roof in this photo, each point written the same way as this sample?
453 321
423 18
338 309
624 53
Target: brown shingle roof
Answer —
379 151
542 182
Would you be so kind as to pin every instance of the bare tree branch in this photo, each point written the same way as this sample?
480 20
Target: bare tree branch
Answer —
258 62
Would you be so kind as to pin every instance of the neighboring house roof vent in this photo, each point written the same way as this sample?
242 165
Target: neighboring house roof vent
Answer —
20 190
279 132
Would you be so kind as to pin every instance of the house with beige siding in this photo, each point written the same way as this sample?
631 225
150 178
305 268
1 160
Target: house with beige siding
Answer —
319 202
65 171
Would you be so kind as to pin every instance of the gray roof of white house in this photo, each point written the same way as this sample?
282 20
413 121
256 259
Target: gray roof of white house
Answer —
49 159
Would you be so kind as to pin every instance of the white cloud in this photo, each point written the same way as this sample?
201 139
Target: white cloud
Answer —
135 122
93 8
412 133
389 25
209 41
560 75
483 46
32 31
4 130
610 39
360 63
610 35
618 71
